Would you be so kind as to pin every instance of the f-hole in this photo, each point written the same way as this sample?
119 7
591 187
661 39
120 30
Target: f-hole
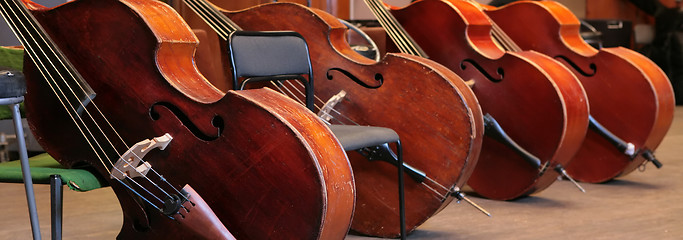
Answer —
217 121
500 72
576 67
378 78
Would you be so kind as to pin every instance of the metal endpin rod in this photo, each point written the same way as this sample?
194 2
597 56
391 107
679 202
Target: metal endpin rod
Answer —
561 170
461 196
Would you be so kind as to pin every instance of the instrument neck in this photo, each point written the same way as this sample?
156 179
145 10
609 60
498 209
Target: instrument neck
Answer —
396 32
213 17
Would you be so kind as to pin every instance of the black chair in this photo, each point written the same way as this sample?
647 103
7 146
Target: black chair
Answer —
283 55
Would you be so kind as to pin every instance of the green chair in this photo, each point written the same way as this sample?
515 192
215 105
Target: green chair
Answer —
46 170
41 169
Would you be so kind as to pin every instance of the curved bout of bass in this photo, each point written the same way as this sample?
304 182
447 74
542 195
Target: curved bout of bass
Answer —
435 114
628 93
665 102
538 102
271 170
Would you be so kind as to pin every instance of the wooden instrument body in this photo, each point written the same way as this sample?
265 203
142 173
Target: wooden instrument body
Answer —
536 100
628 93
435 114
274 170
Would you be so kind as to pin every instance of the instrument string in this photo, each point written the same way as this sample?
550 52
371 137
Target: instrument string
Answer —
139 195
224 20
300 92
340 114
394 30
224 26
389 28
212 22
504 39
437 195
280 88
290 93
407 45
216 20
397 33
508 44
73 74
498 34
33 45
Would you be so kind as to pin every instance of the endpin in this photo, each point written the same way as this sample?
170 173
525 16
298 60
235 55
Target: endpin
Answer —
561 170
461 196
648 155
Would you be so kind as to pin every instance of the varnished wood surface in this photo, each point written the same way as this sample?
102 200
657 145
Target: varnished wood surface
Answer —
637 105
165 85
641 205
430 108
550 124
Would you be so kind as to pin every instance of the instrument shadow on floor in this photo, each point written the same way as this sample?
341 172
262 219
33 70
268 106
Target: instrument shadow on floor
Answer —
628 185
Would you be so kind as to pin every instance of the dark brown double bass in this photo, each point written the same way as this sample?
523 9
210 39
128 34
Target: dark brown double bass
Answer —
124 73
435 114
536 100
630 96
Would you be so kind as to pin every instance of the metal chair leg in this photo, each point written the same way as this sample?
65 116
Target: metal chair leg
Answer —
26 171
56 199
401 197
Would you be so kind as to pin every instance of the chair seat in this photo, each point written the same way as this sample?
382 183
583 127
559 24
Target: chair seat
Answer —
354 137
13 84
42 166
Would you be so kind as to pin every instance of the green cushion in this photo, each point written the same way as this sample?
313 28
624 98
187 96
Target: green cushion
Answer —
42 166
14 59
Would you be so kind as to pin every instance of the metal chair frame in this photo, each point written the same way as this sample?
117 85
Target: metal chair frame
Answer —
56 189
283 55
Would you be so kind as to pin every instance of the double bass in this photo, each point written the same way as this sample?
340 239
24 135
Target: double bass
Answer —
435 114
264 165
538 102
631 99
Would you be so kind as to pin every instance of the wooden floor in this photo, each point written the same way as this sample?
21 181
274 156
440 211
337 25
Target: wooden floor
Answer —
642 205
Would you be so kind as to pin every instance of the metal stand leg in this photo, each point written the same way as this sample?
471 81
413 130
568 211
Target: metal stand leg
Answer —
26 172
56 198
401 197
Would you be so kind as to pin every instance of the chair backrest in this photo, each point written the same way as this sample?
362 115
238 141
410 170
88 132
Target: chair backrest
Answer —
270 56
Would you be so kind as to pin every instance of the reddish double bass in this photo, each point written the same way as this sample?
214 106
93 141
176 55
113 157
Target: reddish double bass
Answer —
537 101
435 114
630 96
124 71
